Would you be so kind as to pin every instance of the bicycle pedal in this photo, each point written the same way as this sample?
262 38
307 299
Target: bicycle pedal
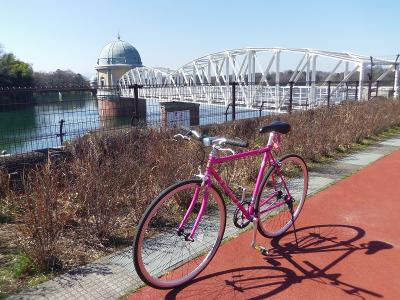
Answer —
261 249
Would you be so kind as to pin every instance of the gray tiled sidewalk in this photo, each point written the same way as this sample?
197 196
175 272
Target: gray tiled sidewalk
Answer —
114 276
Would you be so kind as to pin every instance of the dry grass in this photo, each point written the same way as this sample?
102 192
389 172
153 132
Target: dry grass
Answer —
75 210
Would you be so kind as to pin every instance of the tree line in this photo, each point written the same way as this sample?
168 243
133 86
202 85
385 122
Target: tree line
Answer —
59 78
17 73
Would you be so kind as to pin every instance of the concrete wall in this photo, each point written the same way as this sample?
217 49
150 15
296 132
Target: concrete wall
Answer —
122 107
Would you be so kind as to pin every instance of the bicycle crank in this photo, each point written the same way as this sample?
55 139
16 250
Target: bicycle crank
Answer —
239 220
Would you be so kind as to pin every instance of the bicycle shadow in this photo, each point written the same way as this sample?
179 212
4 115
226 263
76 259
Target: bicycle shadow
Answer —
289 264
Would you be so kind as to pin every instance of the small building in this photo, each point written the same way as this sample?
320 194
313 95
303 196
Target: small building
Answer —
115 59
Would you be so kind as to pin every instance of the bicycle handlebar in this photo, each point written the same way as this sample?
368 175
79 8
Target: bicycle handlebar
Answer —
237 142
208 141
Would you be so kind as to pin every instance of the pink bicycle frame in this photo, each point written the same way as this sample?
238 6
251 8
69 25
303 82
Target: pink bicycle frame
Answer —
268 158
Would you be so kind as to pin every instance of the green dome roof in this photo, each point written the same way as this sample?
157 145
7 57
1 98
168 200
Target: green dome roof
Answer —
119 52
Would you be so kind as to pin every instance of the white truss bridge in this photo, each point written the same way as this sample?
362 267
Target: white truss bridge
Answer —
258 72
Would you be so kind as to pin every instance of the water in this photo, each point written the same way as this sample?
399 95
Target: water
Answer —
24 128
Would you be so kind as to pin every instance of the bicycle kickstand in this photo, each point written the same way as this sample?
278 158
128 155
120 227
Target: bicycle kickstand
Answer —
262 250
294 227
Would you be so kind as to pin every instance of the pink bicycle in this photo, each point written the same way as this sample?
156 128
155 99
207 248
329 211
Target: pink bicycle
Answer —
183 227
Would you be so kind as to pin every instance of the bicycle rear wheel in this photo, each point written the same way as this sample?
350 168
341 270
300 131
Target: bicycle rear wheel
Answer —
279 213
163 258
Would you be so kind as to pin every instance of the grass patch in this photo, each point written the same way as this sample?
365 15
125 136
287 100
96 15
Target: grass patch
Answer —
17 272
5 219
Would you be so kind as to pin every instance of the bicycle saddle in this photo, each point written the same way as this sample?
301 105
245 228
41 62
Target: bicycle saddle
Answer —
277 126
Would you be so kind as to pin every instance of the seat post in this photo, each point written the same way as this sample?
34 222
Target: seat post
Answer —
271 138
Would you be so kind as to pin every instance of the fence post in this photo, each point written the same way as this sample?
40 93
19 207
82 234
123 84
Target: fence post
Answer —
61 134
136 96
261 107
290 97
233 100
369 88
136 88
329 93
377 88
226 112
370 76
356 94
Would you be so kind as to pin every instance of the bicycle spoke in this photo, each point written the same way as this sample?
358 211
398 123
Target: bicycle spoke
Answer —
166 258
290 180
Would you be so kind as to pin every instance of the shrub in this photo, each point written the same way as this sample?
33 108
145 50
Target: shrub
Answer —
46 208
116 174
101 192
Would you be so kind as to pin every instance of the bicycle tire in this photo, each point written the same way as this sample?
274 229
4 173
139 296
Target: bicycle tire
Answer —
277 221
169 262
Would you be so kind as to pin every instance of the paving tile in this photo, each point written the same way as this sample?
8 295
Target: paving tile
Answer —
362 158
392 142
317 183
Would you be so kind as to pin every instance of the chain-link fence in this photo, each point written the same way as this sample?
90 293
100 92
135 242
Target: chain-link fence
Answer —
34 119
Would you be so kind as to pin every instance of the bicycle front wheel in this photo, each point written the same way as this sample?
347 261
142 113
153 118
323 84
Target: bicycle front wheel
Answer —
282 195
163 257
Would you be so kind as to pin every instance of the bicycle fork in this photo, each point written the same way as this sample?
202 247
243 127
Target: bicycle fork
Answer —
207 185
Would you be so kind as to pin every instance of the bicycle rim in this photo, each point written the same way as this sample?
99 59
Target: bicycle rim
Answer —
162 257
274 221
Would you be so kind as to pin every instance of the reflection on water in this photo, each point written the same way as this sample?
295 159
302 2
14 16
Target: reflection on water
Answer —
27 127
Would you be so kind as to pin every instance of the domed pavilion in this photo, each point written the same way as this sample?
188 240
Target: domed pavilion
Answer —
115 59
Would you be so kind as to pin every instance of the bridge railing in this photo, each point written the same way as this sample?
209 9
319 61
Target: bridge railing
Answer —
303 95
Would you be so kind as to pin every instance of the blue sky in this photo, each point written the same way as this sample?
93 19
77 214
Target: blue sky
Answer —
70 34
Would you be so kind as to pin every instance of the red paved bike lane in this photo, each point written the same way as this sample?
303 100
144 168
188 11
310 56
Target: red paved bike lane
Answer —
348 248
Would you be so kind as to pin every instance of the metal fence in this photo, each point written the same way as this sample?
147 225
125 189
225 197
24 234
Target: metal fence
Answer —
39 118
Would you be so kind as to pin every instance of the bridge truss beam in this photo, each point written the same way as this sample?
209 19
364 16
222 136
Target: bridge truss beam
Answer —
207 79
